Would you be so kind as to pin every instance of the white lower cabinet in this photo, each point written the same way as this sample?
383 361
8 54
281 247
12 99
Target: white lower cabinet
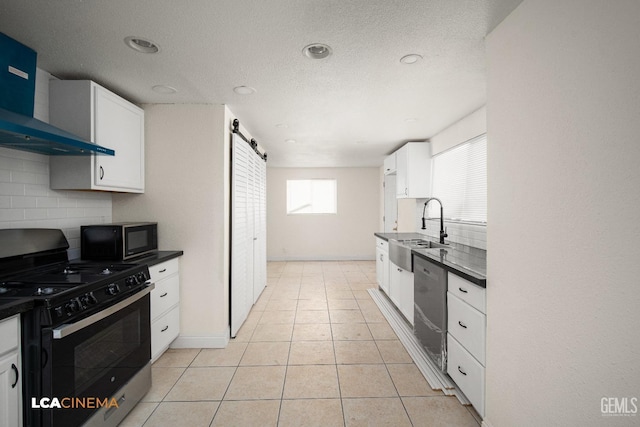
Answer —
467 373
10 373
401 290
165 306
466 338
382 264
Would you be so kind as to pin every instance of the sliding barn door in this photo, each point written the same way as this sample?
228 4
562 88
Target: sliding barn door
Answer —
248 230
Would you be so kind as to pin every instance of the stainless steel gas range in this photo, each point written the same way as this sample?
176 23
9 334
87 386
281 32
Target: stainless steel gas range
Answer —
86 345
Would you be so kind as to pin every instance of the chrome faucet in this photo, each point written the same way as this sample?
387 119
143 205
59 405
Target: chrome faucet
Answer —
443 231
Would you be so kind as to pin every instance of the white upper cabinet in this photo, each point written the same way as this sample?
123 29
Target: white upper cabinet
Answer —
390 164
413 170
92 112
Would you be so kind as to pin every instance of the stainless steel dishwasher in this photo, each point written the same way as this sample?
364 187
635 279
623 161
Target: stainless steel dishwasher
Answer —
430 309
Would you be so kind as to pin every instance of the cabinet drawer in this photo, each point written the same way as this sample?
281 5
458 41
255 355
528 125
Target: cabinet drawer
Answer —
467 292
382 244
9 334
165 295
467 373
164 330
467 325
164 269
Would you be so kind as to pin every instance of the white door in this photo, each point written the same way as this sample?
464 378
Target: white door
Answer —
390 204
241 253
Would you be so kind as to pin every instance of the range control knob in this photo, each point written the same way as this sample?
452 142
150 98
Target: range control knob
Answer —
141 277
130 281
72 306
59 311
113 289
88 299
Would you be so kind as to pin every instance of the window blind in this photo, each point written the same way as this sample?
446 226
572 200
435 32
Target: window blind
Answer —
460 180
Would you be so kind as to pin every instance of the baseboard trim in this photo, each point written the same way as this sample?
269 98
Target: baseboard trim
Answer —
322 258
486 423
219 341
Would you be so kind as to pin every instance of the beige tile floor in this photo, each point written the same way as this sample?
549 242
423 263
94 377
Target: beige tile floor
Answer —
314 351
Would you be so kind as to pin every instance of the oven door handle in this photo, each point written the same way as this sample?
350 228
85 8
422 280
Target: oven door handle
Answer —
68 329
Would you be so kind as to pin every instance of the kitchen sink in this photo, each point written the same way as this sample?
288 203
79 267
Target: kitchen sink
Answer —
423 244
400 250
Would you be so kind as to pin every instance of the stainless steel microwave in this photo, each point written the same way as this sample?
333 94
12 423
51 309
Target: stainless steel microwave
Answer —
118 242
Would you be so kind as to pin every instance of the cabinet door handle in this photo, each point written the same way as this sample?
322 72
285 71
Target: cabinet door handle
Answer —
462 324
400 270
425 271
15 369
165 294
461 371
162 271
101 172
464 291
167 327
381 258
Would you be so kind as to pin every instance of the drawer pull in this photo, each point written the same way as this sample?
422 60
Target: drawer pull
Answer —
15 369
167 327
400 270
464 291
461 371
164 295
462 324
162 271
425 271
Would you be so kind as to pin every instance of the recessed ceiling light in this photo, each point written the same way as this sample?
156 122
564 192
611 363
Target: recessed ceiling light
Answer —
411 58
290 141
164 89
317 51
244 90
140 44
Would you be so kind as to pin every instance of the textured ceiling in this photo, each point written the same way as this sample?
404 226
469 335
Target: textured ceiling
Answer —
350 109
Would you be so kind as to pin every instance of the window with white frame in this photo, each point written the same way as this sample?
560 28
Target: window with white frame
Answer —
312 196
460 181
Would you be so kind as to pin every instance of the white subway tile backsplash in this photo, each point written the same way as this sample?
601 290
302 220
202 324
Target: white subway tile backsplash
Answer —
35 190
27 202
11 189
473 235
35 214
24 177
11 214
23 202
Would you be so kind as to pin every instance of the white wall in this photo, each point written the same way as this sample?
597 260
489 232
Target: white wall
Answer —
461 131
25 198
347 235
187 193
563 294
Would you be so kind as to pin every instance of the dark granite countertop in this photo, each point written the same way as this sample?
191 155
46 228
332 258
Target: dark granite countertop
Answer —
465 261
156 257
11 306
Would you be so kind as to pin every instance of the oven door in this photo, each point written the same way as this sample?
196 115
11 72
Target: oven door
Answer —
91 359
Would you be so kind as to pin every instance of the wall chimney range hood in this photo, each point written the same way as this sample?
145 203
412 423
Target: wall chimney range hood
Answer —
19 130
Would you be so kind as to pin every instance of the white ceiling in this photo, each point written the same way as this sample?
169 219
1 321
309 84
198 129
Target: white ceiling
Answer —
350 109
